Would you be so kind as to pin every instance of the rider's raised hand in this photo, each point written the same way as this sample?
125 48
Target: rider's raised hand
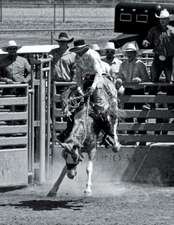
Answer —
90 91
118 83
80 91
146 43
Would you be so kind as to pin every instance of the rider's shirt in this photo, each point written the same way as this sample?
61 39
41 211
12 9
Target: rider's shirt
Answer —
105 68
88 64
63 66
135 68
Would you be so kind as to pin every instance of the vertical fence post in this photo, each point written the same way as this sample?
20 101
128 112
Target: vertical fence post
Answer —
0 10
48 118
51 38
31 128
42 175
63 10
54 16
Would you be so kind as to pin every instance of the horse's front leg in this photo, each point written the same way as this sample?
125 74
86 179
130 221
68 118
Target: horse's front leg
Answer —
117 145
89 170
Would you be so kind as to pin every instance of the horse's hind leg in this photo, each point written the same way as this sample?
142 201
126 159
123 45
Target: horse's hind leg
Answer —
89 170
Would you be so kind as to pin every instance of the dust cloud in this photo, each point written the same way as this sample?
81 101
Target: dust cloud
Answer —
104 179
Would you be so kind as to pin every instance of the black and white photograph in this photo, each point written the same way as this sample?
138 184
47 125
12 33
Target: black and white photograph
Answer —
86 112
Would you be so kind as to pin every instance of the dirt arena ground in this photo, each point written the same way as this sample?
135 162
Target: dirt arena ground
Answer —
110 204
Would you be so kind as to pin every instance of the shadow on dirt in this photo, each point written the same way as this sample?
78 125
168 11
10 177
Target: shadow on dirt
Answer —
38 205
11 188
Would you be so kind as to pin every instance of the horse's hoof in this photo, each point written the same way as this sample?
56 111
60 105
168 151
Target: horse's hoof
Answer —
116 148
51 194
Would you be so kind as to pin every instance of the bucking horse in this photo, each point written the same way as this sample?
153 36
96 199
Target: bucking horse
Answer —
87 127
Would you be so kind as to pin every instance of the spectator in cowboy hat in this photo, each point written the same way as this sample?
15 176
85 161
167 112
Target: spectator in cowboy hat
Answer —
14 68
63 69
156 37
112 60
62 59
133 70
161 39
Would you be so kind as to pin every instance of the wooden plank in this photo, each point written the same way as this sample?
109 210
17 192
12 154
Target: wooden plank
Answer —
147 99
147 84
7 141
162 147
145 126
14 101
58 112
146 138
60 126
13 116
13 129
65 83
14 85
158 113
36 123
12 150
57 98
36 82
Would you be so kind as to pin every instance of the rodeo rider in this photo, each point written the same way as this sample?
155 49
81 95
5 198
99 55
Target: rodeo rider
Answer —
89 79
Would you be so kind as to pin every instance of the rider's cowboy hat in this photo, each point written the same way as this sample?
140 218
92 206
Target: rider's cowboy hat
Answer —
109 46
63 37
130 47
11 44
95 47
79 45
163 14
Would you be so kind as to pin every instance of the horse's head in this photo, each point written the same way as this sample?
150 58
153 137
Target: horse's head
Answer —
72 158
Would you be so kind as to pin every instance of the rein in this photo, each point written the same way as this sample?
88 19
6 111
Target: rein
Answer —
75 102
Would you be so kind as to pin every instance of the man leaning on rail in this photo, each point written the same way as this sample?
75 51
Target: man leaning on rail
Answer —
14 68
133 70
161 39
62 70
63 67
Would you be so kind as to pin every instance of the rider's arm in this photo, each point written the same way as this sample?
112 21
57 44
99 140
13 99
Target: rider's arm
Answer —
97 67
